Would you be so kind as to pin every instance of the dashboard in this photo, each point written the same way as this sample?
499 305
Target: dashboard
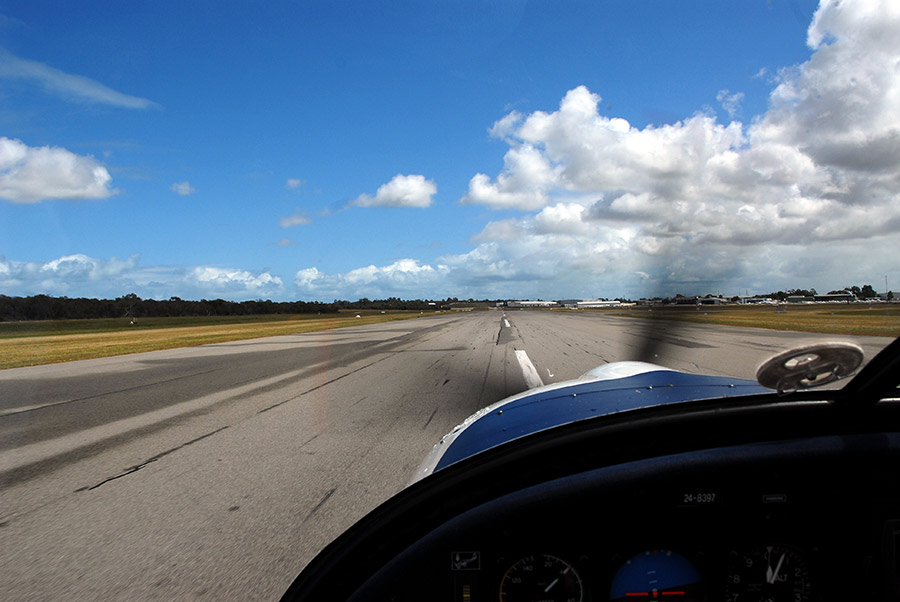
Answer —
794 520
759 498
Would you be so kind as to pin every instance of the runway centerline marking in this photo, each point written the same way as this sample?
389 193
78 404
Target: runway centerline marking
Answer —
532 378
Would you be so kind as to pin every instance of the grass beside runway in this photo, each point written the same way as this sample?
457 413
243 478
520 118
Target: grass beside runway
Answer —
877 319
54 341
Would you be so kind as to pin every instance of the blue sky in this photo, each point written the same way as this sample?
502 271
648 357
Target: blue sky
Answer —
324 150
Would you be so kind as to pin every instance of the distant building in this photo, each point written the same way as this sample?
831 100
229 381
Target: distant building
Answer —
594 303
531 304
836 298
570 303
800 299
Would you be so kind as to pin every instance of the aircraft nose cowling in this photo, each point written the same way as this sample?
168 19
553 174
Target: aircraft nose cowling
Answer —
615 370
609 389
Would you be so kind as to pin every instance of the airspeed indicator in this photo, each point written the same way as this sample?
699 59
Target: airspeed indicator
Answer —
541 578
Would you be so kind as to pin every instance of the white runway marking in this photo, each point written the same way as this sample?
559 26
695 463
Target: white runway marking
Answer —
532 378
506 322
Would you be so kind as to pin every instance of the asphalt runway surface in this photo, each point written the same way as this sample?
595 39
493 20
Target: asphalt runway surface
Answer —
218 472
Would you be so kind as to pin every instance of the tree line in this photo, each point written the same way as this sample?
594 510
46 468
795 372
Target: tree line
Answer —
45 307
866 291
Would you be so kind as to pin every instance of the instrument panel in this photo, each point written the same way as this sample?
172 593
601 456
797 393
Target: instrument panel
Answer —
773 529
768 572
686 554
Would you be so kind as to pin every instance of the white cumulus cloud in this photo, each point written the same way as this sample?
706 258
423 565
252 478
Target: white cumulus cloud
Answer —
224 279
528 175
183 188
80 275
34 174
731 102
307 277
403 278
698 201
298 219
401 191
62 276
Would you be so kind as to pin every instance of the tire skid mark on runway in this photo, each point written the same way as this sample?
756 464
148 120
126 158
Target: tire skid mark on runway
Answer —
310 440
484 380
430 418
137 467
325 384
157 425
67 447
321 503
388 355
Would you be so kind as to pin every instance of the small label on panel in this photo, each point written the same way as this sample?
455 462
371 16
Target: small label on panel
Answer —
465 561
699 498
774 498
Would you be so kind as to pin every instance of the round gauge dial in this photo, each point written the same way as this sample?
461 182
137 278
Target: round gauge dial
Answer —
541 578
657 575
773 573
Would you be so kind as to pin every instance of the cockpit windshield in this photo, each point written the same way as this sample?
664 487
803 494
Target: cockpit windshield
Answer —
257 259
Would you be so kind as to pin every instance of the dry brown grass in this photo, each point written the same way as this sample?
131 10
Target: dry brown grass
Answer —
31 344
846 319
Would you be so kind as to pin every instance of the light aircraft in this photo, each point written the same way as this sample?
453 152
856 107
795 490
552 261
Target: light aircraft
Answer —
636 482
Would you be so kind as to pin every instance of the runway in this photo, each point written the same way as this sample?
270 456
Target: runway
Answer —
218 472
